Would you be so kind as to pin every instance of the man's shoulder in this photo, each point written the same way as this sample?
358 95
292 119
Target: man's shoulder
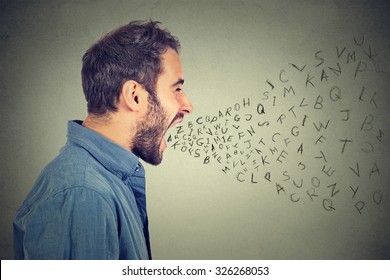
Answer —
73 167
72 171
68 166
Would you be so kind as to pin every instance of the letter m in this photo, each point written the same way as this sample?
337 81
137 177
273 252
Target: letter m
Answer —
288 90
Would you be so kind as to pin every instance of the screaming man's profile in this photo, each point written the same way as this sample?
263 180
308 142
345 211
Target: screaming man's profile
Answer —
89 202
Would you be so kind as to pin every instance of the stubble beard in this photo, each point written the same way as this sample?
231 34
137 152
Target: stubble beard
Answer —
150 131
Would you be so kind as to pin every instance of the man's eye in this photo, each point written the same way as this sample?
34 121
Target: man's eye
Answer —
178 89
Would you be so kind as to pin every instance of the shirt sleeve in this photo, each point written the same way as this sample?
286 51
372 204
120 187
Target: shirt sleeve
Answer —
77 223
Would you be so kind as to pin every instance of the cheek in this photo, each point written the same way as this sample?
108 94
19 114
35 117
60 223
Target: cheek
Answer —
172 106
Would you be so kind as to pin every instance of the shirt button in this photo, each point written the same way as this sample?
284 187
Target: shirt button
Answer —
137 168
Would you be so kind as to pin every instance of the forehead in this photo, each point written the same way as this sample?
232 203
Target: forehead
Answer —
171 67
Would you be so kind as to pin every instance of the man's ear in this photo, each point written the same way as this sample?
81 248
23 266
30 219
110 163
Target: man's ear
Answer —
133 96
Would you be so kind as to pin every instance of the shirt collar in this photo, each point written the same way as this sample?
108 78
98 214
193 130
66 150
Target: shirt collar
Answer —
115 158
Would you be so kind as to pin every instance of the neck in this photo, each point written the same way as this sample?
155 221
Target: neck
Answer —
111 127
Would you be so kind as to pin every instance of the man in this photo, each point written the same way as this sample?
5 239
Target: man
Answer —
89 202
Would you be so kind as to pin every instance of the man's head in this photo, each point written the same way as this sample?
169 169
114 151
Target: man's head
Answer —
133 77
131 52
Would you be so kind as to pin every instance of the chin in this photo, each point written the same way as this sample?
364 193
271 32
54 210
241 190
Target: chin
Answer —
154 160
155 163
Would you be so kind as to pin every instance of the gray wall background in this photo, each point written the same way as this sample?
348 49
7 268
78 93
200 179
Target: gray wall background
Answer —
231 51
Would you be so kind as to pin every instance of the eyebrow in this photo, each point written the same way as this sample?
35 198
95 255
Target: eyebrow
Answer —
178 82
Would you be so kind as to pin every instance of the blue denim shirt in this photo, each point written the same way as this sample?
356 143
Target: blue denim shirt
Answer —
88 203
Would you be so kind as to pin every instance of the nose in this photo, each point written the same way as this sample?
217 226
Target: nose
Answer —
186 106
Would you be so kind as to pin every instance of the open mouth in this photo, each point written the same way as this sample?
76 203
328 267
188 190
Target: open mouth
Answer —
176 120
